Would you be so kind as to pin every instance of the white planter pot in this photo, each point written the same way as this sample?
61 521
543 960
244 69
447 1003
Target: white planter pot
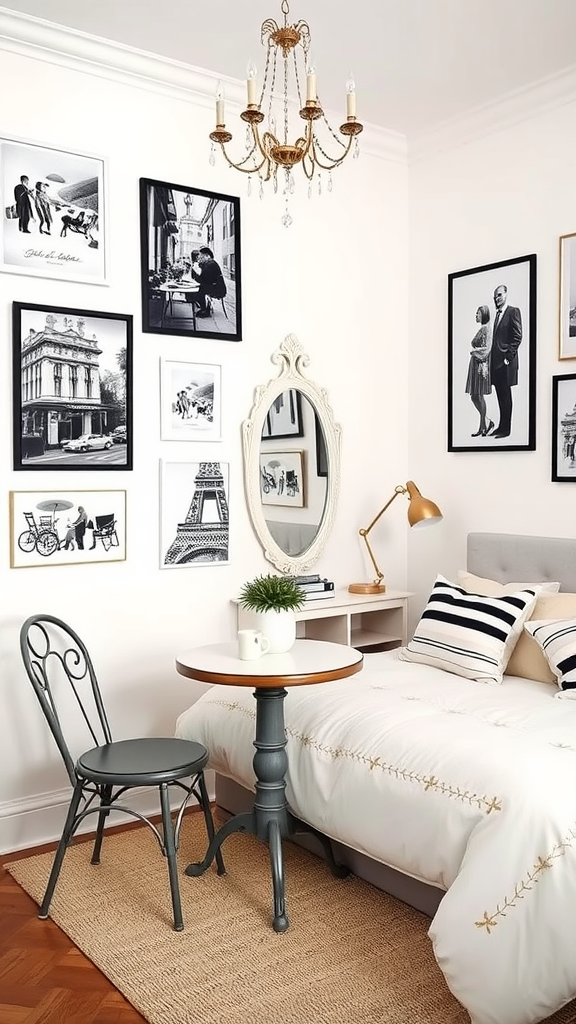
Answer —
278 627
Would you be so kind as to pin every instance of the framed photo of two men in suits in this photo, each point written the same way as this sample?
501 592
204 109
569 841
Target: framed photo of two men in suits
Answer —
492 357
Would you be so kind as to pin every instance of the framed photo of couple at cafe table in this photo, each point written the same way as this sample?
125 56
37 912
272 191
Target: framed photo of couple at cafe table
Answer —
492 357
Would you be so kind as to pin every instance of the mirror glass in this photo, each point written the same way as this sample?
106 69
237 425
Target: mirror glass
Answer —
291 464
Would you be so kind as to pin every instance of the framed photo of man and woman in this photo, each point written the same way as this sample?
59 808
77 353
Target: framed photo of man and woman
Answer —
190 259
52 222
492 357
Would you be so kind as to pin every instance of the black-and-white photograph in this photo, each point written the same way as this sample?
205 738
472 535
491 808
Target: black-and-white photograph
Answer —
492 357
284 417
564 428
282 479
72 381
53 220
66 527
190 246
567 345
194 514
190 401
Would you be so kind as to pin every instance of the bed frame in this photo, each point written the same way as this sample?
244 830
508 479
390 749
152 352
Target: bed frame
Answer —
497 556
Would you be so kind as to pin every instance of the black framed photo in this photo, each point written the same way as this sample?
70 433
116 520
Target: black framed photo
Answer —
284 417
190 257
492 357
321 453
564 428
72 380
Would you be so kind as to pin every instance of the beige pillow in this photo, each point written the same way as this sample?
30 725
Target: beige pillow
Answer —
527 659
490 588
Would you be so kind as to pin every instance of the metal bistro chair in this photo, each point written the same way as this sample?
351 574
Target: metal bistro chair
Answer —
55 657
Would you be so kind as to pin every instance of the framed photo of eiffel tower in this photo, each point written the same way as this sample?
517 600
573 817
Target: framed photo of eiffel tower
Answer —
194 516
190 261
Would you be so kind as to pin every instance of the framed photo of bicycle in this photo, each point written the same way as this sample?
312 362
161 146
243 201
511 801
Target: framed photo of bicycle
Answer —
190 261
62 527
282 479
72 385
564 428
567 346
53 221
492 357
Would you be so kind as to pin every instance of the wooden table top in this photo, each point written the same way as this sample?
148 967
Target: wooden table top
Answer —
307 662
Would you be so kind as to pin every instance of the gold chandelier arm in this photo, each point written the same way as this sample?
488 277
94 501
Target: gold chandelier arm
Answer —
334 162
245 170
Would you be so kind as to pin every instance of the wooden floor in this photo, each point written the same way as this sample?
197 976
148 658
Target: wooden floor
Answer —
44 978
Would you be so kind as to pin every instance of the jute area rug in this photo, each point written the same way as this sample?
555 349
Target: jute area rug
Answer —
352 955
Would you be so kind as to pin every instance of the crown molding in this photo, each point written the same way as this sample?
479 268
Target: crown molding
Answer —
517 106
69 48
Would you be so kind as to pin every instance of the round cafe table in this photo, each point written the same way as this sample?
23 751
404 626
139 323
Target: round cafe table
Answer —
307 663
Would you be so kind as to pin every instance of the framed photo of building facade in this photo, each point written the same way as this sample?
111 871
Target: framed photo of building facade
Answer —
72 384
53 221
190 258
564 428
492 357
194 514
190 401
61 527
567 346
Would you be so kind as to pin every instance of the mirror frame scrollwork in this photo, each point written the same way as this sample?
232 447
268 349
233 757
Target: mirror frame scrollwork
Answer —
291 359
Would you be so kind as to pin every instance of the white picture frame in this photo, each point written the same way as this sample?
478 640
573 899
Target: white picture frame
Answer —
194 513
42 531
65 236
567 327
282 478
190 400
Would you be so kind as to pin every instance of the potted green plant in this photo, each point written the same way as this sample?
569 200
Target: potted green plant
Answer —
272 601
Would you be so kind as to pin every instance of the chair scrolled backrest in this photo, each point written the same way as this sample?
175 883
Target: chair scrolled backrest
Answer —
56 660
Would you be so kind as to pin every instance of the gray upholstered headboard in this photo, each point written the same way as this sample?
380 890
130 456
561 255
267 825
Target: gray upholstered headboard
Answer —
509 557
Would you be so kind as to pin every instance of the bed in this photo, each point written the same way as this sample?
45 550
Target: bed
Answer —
456 795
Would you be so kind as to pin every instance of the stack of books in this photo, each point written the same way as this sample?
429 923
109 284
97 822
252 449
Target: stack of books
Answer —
314 586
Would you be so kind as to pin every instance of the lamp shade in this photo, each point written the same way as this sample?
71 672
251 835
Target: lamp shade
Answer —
421 511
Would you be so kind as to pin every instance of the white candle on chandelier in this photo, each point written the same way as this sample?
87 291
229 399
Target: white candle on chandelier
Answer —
219 103
311 83
251 83
351 96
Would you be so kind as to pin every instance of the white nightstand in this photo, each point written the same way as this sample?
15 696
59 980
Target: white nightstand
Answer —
359 620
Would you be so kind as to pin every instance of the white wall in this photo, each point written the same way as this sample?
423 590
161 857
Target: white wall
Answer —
337 279
498 193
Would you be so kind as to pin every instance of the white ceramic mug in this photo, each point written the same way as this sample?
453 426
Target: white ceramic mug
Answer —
252 644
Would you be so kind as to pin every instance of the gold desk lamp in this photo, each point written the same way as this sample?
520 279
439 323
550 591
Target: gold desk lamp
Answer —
421 512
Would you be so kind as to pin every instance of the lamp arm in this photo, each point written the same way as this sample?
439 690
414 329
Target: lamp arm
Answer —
364 532
398 490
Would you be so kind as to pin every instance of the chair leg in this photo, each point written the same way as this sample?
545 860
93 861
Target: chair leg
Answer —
67 833
224 308
170 853
205 802
105 798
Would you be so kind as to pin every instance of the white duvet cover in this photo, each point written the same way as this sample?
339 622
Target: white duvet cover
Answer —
468 786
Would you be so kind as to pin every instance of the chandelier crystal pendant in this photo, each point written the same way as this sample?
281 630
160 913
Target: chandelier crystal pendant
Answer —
289 71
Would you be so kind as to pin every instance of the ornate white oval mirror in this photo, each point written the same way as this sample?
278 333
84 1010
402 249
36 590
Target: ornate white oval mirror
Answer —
291 463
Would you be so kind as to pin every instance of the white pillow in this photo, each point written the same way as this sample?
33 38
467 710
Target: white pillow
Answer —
557 640
491 588
469 634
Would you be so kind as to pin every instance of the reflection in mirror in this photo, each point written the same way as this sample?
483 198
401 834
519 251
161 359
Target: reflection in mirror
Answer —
293 493
291 464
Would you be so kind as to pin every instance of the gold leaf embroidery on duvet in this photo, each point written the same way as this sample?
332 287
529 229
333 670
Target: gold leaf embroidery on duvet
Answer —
532 877
428 782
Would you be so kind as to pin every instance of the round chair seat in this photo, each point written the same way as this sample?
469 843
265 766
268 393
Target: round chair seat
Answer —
151 760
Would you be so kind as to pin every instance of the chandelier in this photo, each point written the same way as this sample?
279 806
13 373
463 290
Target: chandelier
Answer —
269 152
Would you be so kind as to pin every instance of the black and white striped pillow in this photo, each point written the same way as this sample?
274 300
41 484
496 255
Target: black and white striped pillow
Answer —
557 640
468 634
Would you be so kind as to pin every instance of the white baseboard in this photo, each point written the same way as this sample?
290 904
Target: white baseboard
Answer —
39 819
